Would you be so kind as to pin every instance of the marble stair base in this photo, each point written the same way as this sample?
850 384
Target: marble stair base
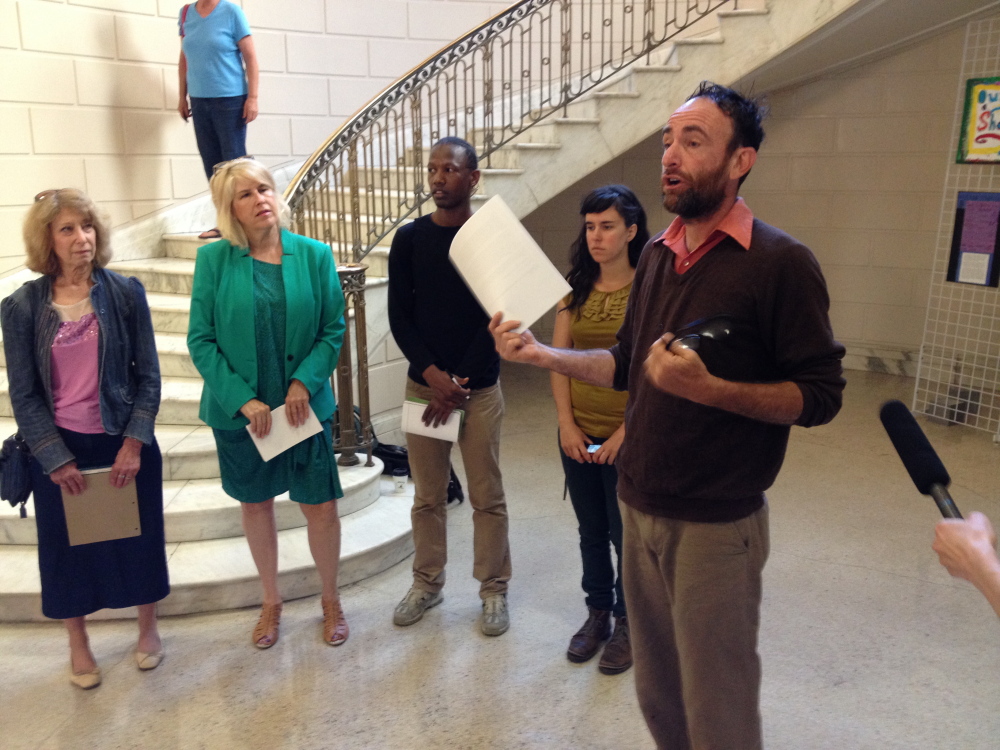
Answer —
220 574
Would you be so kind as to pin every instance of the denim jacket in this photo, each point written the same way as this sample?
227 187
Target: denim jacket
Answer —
128 368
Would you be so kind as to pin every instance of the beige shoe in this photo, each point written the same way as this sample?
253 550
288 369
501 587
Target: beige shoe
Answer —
146 662
86 680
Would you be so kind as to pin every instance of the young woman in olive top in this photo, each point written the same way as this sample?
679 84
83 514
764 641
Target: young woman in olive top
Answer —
591 418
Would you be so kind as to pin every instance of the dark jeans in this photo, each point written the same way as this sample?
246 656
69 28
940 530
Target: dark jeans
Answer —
593 492
219 129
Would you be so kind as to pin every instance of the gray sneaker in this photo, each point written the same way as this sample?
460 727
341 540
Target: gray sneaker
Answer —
414 604
496 618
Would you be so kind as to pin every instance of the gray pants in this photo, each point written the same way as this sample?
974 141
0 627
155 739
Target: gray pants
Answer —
693 592
430 464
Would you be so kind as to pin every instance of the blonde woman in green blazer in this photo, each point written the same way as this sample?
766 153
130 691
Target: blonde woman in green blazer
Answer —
267 322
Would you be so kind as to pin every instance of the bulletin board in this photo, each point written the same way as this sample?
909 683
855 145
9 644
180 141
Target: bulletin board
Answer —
974 240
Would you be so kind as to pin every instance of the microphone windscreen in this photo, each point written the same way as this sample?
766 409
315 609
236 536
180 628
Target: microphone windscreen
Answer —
919 458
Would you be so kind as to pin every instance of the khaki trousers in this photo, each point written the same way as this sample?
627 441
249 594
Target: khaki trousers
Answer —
693 592
430 464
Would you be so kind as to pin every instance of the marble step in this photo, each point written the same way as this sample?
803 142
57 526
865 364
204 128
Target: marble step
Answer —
171 348
185 247
188 451
219 574
405 178
198 509
179 400
170 312
160 275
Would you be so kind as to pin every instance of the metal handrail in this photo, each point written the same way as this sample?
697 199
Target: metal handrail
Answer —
489 86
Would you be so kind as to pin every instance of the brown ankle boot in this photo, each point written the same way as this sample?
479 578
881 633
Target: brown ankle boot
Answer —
589 638
617 656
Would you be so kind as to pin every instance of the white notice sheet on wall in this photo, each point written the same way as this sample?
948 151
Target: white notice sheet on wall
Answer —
504 267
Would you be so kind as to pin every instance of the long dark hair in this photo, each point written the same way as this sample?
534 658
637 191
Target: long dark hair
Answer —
583 275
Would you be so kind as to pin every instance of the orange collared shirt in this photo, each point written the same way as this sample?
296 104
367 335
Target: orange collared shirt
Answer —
738 224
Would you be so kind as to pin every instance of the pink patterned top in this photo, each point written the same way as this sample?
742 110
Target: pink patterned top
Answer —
75 383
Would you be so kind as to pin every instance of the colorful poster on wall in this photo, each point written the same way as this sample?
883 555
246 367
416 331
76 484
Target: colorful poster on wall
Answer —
980 140
975 239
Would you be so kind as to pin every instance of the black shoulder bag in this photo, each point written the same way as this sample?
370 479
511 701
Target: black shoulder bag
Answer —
15 475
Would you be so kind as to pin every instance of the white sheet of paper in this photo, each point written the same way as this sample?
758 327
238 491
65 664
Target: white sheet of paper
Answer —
974 268
282 435
504 267
411 422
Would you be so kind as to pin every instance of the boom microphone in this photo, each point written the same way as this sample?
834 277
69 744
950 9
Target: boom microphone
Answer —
917 455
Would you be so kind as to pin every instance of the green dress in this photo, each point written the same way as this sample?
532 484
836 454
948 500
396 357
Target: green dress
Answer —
308 470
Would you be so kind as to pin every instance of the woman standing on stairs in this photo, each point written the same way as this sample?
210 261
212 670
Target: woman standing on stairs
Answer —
84 383
267 322
591 418
214 88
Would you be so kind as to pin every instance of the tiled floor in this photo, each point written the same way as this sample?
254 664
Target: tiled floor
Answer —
866 641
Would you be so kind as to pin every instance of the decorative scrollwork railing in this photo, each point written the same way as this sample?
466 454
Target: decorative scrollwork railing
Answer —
489 86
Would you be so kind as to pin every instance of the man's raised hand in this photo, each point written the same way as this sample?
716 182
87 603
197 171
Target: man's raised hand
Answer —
513 346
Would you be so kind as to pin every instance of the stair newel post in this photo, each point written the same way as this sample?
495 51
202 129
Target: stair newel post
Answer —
357 251
489 139
417 114
352 283
565 54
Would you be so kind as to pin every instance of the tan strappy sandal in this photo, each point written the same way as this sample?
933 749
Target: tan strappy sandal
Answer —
265 634
335 630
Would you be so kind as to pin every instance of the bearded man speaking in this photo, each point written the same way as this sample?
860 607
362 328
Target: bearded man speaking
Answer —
707 421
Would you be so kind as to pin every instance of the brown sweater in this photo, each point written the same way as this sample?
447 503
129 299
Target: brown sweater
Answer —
691 462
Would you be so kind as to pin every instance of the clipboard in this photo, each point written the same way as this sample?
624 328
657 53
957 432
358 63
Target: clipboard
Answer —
101 512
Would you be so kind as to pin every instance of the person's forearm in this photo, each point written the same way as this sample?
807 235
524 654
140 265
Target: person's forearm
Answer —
777 403
182 77
986 578
561 395
253 76
595 366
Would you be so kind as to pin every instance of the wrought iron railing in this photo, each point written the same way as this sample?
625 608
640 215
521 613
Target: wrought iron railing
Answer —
488 87
523 65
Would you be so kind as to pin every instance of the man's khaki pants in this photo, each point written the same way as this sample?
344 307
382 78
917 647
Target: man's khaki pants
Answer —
693 593
430 464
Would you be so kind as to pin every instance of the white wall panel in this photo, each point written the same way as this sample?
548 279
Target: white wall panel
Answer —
158 133
147 39
339 56
128 178
24 177
15 130
300 15
10 35
112 84
358 19
72 130
67 30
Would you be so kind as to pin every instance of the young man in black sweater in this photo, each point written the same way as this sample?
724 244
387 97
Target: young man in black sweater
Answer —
442 330
702 445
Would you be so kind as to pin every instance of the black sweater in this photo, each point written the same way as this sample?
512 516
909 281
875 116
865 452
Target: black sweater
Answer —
691 462
434 317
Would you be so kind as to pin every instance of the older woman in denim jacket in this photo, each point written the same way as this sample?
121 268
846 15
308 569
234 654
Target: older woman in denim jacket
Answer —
85 388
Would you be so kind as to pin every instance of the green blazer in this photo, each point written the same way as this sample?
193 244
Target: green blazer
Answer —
221 330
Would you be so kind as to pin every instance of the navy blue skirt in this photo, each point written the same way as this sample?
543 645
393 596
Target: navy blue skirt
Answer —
77 581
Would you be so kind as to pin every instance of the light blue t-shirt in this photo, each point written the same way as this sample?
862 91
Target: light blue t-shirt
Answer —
215 65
